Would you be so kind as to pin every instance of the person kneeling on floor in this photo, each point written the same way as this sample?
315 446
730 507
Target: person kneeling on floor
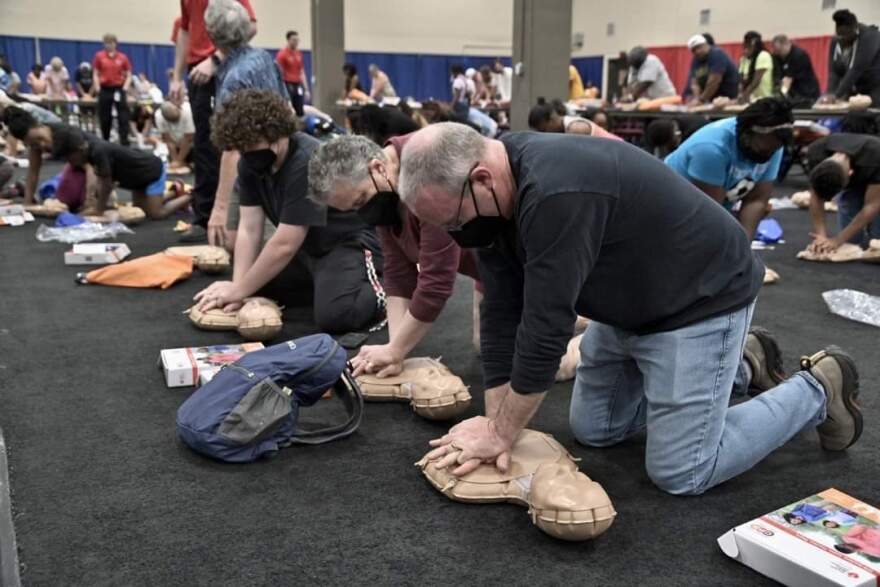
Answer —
340 252
671 303
848 165
104 164
421 261
738 159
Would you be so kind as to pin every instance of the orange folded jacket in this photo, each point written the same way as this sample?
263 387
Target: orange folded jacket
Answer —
159 270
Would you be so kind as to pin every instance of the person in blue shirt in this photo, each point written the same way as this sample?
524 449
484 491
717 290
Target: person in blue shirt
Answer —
242 67
737 159
712 72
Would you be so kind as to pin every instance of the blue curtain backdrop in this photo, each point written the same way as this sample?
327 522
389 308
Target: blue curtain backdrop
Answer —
420 76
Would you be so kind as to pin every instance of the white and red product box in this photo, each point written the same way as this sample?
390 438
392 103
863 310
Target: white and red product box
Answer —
184 367
826 539
96 254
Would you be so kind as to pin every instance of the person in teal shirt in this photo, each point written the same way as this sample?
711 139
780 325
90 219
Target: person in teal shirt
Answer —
737 159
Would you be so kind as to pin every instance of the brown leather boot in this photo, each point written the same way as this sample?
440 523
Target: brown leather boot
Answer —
837 373
764 357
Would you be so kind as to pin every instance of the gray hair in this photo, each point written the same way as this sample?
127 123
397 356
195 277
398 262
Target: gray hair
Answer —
343 160
781 40
445 162
228 24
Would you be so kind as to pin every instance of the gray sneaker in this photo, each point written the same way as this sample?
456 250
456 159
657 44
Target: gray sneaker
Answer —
764 357
837 373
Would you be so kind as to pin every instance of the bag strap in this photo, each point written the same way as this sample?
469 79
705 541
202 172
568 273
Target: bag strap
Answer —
349 392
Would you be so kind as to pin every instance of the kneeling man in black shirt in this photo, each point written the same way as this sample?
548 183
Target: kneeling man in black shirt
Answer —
340 252
570 225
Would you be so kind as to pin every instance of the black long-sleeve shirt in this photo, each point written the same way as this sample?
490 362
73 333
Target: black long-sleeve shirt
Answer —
799 67
863 73
604 230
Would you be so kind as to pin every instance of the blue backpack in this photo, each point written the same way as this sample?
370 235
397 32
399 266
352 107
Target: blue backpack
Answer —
250 407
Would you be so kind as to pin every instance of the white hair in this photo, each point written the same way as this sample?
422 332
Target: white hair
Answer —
228 24
343 160
444 162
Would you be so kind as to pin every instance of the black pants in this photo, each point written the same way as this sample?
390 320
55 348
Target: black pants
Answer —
343 287
107 97
205 156
297 96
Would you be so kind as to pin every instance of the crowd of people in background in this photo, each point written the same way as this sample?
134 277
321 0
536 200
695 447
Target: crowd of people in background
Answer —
107 97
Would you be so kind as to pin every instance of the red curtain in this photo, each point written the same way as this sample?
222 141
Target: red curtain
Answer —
677 59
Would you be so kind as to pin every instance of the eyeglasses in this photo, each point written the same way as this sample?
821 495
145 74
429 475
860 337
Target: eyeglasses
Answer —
457 224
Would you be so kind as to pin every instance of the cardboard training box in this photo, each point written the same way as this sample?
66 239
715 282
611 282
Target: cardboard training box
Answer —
184 367
96 254
826 539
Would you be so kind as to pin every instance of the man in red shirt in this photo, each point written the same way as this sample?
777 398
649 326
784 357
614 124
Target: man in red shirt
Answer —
290 60
112 77
194 49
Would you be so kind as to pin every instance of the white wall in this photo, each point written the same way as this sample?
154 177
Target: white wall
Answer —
470 27
671 22
396 26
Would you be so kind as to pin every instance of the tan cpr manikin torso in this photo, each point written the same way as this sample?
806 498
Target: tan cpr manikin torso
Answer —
432 390
543 476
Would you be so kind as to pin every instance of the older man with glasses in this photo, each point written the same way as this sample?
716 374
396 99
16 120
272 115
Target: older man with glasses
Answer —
571 225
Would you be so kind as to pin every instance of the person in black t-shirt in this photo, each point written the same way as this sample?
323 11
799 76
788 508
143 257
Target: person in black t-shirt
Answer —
105 165
848 165
853 59
569 225
794 72
339 251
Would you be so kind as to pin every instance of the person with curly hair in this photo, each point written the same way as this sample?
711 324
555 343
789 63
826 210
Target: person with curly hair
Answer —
338 251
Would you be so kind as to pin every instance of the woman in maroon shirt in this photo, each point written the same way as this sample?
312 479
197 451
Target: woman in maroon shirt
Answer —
421 261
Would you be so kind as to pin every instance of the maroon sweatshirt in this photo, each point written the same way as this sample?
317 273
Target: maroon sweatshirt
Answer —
422 261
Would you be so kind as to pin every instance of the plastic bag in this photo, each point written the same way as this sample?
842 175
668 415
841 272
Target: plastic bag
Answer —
782 204
854 305
88 231
769 231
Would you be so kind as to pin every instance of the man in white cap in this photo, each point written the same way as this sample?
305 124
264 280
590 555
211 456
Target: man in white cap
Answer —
712 72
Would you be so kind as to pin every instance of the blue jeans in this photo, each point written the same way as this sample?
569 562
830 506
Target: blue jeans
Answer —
849 204
678 385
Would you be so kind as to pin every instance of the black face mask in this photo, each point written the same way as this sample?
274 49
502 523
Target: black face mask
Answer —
383 209
260 161
482 231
